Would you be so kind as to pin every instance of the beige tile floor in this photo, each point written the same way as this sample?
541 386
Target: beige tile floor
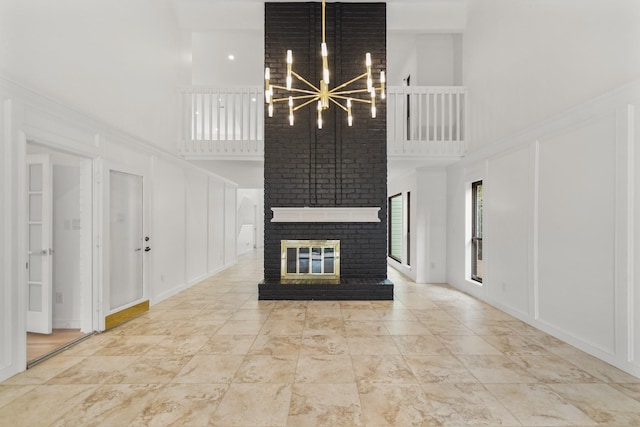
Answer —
216 356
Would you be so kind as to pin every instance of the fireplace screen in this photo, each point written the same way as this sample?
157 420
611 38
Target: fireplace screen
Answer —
310 260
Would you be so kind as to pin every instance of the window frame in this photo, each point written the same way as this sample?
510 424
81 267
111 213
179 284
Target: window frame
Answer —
476 238
390 223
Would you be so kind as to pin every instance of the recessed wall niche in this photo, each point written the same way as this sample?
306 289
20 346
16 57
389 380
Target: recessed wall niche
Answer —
336 166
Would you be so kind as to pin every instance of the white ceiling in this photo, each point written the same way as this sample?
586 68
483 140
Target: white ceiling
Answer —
402 15
219 28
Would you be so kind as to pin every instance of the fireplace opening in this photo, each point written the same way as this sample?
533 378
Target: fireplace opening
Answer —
310 260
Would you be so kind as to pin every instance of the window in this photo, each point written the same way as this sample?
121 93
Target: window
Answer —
395 227
476 231
408 242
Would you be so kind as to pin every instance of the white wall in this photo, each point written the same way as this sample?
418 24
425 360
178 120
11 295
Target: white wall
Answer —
231 223
439 60
67 226
428 223
402 60
560 235
197 189
119 61
528 60
176 219
508 221
13 330
634 251
433 15
211 65
216 224
169 243
246 173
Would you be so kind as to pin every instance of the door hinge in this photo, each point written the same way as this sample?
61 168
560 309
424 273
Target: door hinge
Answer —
26 265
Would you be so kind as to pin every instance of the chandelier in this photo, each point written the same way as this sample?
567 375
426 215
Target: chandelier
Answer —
339 95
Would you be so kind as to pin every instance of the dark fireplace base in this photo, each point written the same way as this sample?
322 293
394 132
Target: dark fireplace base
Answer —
346 290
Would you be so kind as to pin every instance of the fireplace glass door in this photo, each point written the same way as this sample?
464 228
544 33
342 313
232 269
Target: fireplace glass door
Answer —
310 260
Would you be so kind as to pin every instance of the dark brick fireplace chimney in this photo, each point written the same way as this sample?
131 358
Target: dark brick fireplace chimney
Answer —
337 166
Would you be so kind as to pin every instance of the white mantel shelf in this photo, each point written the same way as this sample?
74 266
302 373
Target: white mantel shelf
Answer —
340 214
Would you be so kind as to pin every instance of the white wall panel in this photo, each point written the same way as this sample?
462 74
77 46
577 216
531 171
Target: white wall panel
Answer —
562 226
456 224
429 225
197 222
168 240
216 224
576 232
230 224
507 213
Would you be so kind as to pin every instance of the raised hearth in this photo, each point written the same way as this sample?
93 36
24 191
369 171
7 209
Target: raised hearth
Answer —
345 289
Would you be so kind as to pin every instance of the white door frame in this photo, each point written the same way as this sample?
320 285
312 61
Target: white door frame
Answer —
105 168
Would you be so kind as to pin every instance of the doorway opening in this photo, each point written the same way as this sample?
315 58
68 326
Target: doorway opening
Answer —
60 255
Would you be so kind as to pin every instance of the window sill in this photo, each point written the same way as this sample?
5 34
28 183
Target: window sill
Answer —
474 282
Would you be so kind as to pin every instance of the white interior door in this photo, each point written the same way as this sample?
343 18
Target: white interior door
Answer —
126 244
39 277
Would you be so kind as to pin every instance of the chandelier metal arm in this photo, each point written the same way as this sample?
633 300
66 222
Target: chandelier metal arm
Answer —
338 104
295 90
347 92
295 98
302 79
304 104
366 101
345 84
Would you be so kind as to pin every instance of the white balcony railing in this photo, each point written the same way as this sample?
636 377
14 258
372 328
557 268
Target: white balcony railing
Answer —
423 121
222 123
426 121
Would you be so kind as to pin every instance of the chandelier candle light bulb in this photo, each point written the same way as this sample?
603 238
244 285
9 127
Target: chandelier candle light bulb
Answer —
322 94
373 103
289 64
290 111
267 86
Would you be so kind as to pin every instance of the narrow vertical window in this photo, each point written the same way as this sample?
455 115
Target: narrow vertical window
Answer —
408 243
476 231
395 227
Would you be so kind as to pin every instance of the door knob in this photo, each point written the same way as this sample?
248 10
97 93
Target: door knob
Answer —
147 249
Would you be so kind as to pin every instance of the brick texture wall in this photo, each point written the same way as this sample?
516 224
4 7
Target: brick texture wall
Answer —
337 165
